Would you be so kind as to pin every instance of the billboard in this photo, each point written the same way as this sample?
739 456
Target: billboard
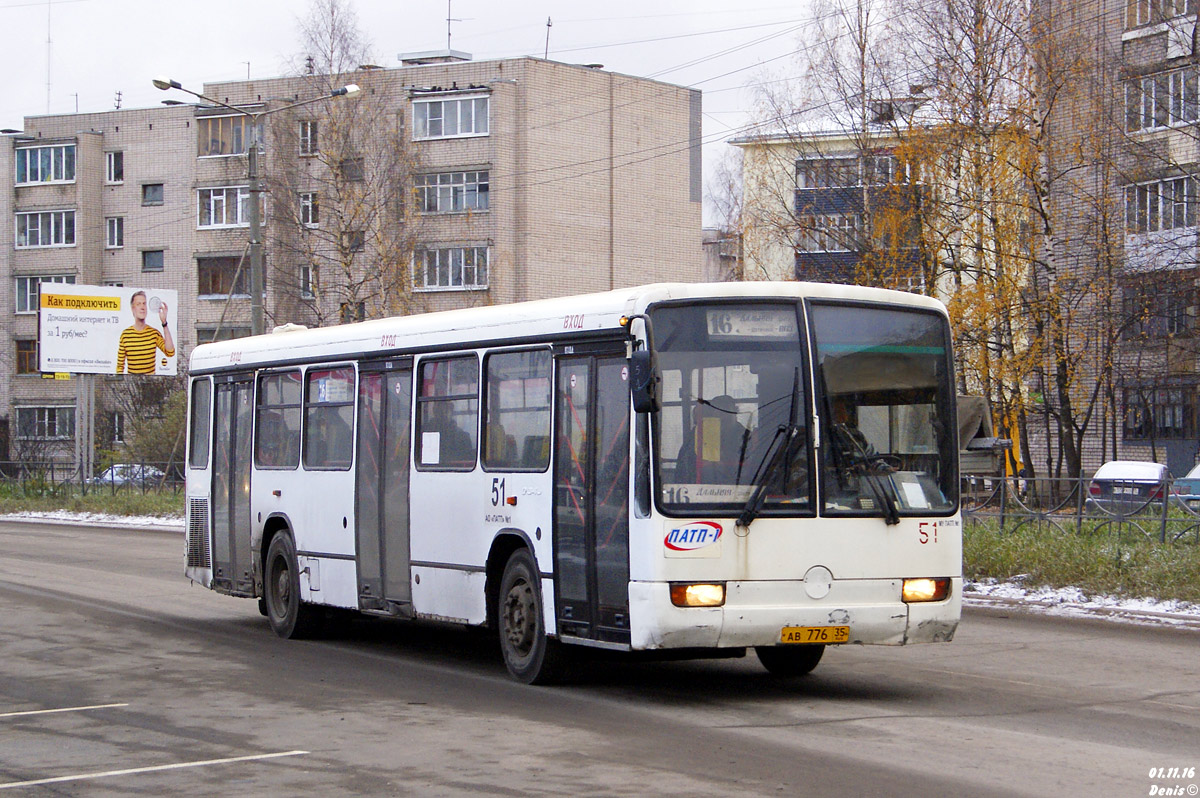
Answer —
92 329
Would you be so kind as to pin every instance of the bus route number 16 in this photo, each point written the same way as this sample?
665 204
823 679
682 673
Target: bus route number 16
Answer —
927 532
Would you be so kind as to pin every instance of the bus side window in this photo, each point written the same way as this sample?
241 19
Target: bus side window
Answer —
277 429
448 414
329 418
517 432
201 416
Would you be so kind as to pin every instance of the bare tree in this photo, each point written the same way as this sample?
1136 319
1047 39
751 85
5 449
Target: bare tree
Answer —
343 216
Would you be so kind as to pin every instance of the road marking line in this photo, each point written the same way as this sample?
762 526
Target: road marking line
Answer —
128 771
52 711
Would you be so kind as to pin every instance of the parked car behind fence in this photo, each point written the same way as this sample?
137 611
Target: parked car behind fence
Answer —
1123 486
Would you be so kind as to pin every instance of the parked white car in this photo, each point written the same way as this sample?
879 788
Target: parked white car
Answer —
130 474
1128 485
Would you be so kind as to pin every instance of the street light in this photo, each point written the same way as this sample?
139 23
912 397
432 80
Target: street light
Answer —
255 187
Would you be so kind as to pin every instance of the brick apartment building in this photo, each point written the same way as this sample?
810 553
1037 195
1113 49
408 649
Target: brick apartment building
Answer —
528 179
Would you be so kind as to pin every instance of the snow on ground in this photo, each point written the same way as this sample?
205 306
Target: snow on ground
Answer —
1073 601
96 519
1067 601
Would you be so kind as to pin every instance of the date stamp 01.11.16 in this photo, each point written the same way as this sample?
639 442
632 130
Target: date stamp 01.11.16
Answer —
1174 781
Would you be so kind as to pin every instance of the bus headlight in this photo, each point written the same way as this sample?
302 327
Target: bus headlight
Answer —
702 595
925 590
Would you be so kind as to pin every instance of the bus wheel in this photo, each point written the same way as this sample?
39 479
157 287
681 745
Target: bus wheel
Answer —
289 616
530 656
789 661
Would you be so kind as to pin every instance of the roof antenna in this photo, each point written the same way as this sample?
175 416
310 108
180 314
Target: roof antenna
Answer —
549 25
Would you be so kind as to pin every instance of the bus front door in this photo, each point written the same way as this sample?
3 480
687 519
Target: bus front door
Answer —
233 557
591 497
381 485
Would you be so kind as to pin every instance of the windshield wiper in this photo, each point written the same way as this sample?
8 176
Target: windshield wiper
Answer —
773 458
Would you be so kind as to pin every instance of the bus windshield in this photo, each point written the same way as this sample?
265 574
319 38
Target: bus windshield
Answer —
732 390
883 386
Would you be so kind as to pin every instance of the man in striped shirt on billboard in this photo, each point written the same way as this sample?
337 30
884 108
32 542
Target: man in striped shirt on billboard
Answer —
140 342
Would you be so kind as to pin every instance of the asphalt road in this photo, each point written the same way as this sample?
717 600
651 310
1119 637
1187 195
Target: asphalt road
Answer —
166 688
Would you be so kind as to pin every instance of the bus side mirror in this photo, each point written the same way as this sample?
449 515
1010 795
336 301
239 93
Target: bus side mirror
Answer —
644 381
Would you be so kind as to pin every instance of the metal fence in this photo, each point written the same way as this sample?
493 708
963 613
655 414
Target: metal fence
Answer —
1067 506
34 477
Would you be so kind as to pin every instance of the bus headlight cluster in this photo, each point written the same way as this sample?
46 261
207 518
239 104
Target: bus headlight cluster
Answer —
709 594
916 590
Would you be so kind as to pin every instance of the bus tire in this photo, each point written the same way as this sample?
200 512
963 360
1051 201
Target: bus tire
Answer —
787 662
530 656
290 617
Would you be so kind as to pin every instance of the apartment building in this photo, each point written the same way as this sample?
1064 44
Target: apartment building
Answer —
1125 151
522 179
815 202
1158 373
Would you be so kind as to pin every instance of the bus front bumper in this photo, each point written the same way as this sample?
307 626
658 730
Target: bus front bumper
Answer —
756 613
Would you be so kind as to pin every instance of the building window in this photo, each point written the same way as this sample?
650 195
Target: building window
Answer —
310 211
1159 413
115 235
27 357
114 167
306 281
450 118
1145 12
46 423
1161 100
447 414
46 229
152 194
351 170
118 427
453 191
27 290
308 138
354 240
1159 306
827 173
835 232
1160 205
221 276
353 311
53 164
223 135
227 206
153 260
206 335
452 267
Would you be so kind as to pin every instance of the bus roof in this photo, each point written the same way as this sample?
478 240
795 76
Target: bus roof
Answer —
523 321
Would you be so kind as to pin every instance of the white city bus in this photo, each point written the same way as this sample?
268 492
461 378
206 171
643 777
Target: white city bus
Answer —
682 468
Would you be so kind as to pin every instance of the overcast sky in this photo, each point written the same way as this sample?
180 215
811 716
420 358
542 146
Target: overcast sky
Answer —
98 48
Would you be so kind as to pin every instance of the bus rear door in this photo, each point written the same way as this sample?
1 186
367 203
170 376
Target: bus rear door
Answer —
382 486
233 557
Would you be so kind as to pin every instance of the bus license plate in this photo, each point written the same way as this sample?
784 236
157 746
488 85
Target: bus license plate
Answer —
815 634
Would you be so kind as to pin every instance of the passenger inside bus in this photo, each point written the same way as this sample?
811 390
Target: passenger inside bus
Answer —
714 450
455 448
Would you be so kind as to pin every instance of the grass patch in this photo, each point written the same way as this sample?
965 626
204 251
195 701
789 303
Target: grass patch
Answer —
1102 561
124 501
